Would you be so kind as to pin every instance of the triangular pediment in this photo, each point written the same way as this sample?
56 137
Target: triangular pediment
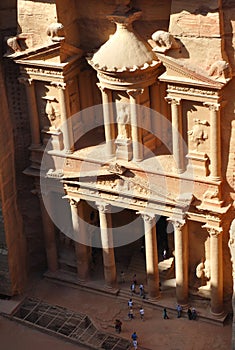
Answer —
180 72
58 53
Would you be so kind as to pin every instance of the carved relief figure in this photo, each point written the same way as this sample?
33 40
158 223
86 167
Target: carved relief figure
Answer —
13 44
198 133
203 272
164 41
123 122
55 30
50 111
220 69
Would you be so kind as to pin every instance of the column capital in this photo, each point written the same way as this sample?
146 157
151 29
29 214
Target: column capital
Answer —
59 84
135 92
26 81
146 217
103 207
177 222
212 106
213 231
173 100
73 201
102 87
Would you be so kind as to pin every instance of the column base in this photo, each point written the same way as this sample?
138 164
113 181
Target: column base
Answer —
218 314
124 150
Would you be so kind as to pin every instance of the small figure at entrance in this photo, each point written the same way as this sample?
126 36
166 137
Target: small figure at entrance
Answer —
164 254
130 314
194 314
189 312
130 303
179 310
132 288
122 275
141 287
142 313
165 316
118 326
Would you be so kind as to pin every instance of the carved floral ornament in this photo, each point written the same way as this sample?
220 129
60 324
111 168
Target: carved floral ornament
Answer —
177 223
173 100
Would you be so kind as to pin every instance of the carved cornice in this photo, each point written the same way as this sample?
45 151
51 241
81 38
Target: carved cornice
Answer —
192 91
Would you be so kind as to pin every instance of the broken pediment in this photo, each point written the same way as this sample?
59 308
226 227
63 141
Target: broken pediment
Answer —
55 54
180 72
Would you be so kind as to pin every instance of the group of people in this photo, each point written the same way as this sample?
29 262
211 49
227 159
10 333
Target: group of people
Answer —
134 285
130 310
192 313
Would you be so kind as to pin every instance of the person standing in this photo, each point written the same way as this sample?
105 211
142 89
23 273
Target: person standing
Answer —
165 316
141 287
118 326
134 338
142 313
130 314
130 303
179 310
189 312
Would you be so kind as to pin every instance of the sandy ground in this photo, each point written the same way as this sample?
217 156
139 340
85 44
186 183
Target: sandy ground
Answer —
153 333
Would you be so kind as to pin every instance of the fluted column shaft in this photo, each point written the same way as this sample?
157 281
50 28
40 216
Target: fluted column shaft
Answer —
151 253
81 248
110 273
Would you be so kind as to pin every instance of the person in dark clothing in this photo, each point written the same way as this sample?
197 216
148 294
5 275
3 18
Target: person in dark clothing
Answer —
118 326
189 312
165 316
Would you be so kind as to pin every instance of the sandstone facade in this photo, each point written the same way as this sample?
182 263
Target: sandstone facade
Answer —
125 114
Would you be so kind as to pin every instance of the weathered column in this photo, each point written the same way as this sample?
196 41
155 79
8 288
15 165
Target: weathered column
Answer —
231 244
181 260
80 239
33 111
66 122
177 139
108 120
110 273
48 232
156 106
216 270
215 140
151 254
136 125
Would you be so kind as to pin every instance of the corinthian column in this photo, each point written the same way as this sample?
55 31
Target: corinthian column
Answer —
181 260
177 139
110 273
81 248
66 123
215 140
216 270
33 111
108 120
136 125
151 254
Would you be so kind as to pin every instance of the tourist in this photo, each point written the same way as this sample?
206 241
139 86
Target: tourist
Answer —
134 336
164 254
142 313
189 312
135 344
135 279
130 314
141 287
132 288
130 303
118 326
194 314
165 316
179 310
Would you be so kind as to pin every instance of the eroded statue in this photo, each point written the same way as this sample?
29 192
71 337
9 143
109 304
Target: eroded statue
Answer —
164 41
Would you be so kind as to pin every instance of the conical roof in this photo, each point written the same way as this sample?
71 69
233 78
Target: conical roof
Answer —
125 50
